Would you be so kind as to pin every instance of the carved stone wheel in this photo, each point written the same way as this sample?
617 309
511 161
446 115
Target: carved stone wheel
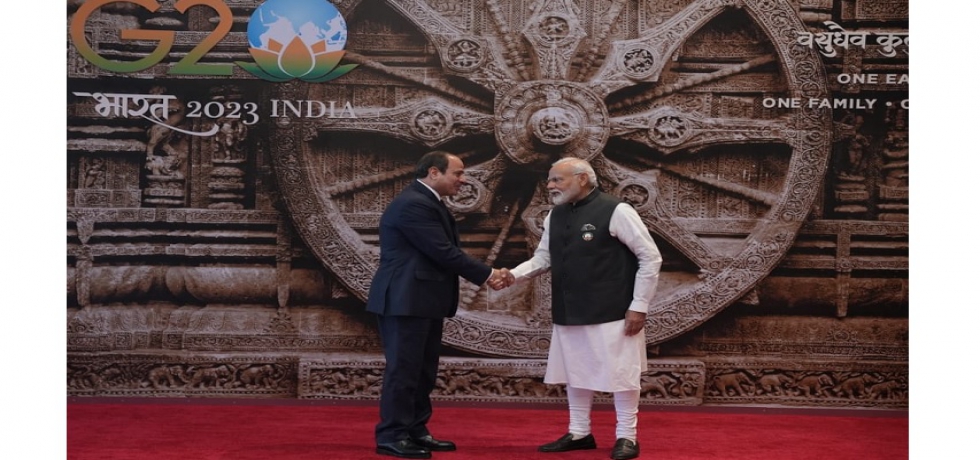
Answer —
664 98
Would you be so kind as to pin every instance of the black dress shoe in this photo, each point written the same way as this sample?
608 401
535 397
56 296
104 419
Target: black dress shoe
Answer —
566 443
625 449
434 444
404 449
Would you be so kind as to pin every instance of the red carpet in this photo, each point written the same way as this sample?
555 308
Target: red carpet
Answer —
262 430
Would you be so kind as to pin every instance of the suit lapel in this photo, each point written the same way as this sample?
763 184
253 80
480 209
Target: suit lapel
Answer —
448 216
448 221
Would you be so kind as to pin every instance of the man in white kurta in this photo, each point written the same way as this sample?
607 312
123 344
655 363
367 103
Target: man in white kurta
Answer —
608 356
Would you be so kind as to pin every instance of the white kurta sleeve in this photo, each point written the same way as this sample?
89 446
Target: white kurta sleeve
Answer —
540 262
627 226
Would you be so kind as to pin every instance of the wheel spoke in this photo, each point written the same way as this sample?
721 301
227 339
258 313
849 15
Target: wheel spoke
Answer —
638 89
505 231
421 82
661 91
462 54
554 31
430 122
593 52
731 188
643 59
469 291
640 189
515 52
363 182
670 130
658 220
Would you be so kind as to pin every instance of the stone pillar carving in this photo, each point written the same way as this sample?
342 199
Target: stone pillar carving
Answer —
229 156
851 189
166 155
106 181
893 193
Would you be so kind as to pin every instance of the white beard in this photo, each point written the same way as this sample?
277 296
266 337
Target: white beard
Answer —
558 197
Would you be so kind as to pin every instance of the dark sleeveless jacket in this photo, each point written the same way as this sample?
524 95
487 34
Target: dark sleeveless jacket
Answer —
592 272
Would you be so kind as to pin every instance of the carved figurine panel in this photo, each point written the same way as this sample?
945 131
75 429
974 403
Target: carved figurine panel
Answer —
226 176
656 117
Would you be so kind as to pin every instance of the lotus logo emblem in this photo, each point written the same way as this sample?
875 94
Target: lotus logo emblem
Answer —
301 39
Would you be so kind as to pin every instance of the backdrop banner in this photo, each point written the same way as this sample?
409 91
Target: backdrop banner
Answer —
229 160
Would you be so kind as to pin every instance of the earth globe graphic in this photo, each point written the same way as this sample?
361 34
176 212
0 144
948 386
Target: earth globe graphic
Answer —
313 21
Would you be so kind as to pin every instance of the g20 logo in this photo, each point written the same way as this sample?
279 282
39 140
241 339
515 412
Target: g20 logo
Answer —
288 39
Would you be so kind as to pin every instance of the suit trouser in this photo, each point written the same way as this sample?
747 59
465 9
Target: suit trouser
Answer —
411 347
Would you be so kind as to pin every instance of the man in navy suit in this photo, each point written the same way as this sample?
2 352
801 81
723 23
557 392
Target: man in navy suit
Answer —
415 288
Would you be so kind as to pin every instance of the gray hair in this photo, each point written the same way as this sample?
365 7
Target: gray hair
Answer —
579 166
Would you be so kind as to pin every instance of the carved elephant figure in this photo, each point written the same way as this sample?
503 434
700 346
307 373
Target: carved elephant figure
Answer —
81 377
854 387
815 385
525 386
88 378
209 376
259 376
735 381
493 384
365 384
777 384
333 382
461 382
167 376
657 385
883 390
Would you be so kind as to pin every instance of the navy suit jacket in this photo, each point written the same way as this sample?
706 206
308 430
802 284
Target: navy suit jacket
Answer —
421 260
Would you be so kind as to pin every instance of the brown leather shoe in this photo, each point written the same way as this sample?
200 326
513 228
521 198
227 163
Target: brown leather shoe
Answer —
566 443
625 449
434 444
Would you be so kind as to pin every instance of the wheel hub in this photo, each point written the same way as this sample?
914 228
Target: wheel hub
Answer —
540 122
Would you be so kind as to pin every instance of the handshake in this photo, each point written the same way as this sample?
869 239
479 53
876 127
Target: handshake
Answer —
501 278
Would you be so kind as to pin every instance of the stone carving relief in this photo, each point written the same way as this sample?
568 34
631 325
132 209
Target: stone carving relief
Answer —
186 256
609 114
893 191
95 172
134 375
229 156
832 388
871 173
166 160
665 382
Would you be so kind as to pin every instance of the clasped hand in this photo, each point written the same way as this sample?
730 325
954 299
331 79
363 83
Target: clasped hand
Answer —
501 278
